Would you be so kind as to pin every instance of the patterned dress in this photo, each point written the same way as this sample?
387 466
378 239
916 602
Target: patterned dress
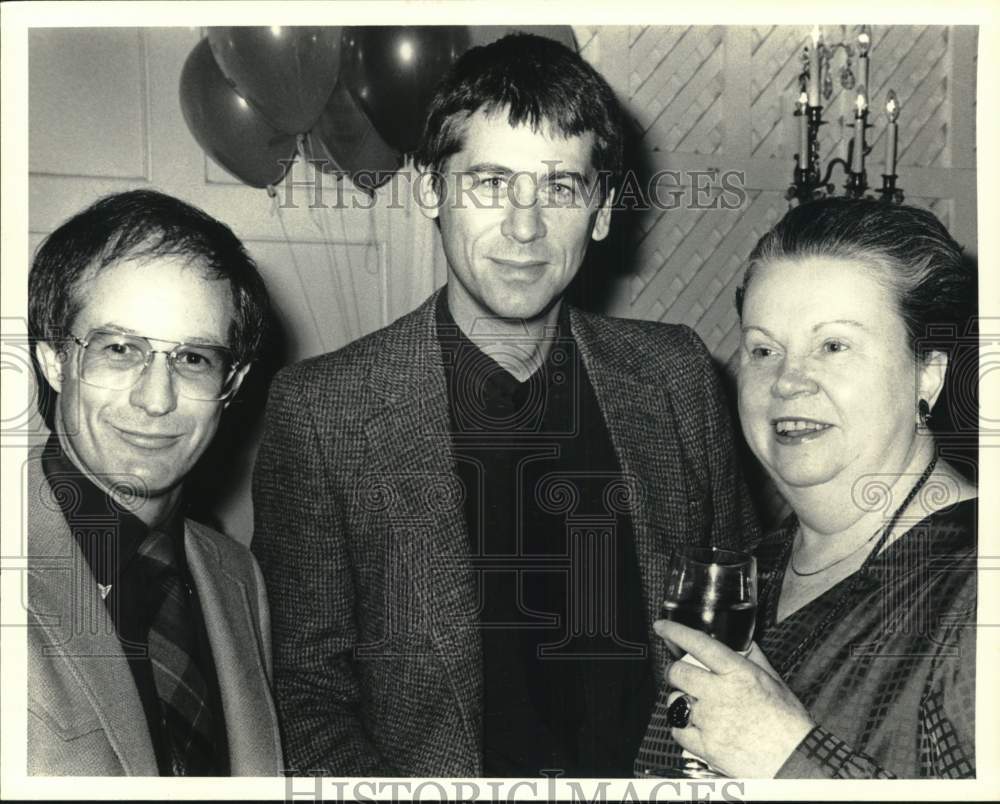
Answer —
884 661
891 681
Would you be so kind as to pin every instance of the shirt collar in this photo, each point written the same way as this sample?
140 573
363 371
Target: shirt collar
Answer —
108 534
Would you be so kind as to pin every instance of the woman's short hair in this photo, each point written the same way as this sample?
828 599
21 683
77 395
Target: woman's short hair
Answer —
537 81
142 225
908 248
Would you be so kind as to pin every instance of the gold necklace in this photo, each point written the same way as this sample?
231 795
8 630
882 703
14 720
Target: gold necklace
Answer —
869 540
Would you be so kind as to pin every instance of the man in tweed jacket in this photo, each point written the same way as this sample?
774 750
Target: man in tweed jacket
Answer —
418 492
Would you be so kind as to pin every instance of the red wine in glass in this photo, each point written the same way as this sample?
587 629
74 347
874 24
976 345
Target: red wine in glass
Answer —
714 591
731 625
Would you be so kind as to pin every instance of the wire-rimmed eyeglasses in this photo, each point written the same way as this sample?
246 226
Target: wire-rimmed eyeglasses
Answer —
116 360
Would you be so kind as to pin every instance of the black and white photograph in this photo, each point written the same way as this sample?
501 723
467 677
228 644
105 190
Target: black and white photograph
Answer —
472 401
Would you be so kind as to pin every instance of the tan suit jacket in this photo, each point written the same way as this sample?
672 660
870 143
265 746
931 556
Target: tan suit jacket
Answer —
84 713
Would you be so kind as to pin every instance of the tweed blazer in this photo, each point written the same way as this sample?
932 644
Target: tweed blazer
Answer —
361 534
84 713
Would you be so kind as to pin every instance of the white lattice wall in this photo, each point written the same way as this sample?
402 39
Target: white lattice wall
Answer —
721 98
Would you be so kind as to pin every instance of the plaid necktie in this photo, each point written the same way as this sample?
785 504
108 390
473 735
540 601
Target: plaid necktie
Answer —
173 648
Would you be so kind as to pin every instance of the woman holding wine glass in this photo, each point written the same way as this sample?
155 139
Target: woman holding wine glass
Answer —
863 662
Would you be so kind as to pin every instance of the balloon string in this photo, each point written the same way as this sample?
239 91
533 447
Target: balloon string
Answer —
411 176
326 240
345 278
351 278
378 272
424 251
276 210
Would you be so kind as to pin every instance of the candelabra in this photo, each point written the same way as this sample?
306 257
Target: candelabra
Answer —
811 181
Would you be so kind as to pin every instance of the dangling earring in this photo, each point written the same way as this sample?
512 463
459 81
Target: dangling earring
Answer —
923 414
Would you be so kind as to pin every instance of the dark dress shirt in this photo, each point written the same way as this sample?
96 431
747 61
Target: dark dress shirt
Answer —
109 537
568 676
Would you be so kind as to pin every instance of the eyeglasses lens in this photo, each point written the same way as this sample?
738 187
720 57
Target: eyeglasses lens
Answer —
115 361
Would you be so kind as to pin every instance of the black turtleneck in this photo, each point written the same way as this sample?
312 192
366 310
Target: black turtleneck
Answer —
568 674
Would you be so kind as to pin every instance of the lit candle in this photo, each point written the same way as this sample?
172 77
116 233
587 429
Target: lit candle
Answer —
858 153
864 42
803 131
814 68
892 112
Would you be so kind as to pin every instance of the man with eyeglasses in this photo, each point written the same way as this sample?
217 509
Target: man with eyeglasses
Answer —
149 644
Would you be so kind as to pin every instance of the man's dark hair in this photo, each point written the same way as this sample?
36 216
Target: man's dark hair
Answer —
142 225
537 81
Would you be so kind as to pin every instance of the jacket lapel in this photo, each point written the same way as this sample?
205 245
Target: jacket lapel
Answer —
79 640
410 445
640 419
243 679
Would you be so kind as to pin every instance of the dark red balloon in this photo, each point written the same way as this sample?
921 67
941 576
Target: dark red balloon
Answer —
287 73
344 139
227 128
392 73
484 34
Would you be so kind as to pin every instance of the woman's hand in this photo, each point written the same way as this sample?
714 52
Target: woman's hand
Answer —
744 720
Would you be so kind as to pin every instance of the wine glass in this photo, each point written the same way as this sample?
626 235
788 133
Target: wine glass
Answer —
715 591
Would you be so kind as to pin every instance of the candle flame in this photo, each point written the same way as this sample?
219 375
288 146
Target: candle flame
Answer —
861 103
864 41
803 99
892 107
